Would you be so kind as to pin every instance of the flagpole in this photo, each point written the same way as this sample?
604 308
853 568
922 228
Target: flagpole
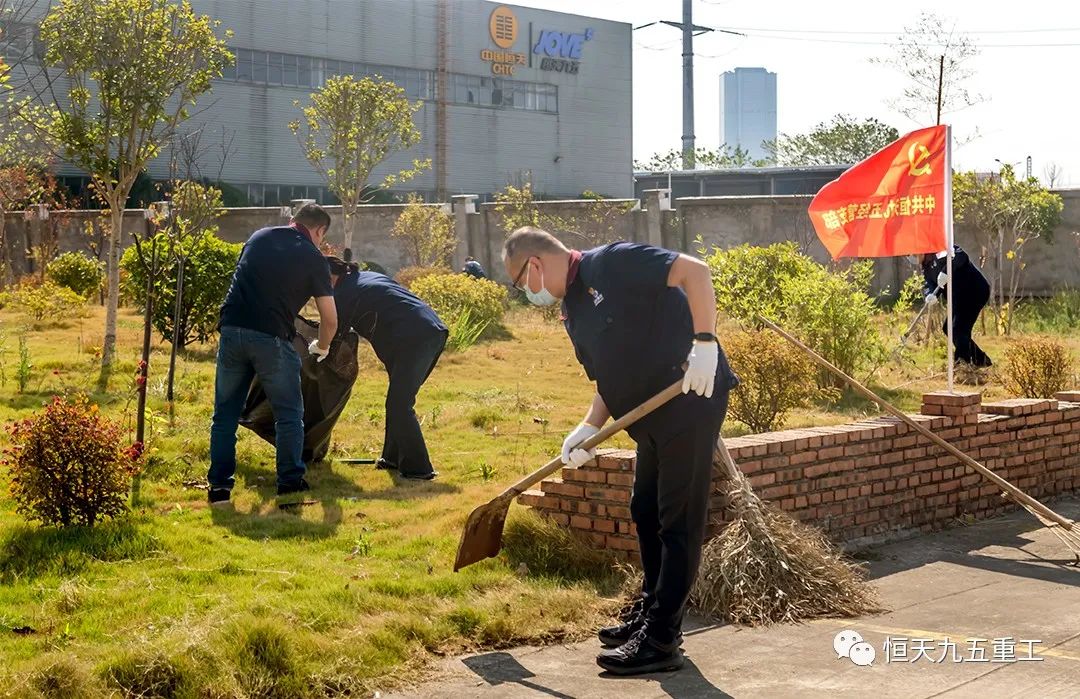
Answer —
950 248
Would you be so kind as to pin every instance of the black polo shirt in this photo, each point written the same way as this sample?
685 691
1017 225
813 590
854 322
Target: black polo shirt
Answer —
384 312
630 330
278 271
970 287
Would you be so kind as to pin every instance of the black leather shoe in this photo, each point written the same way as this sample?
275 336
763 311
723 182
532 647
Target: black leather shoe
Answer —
640 655
298 487
218 496
384 465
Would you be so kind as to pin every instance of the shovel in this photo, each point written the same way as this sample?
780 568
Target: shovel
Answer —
482 537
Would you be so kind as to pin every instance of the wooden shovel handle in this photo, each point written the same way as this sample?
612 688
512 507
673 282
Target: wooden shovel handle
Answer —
602 436
1010 489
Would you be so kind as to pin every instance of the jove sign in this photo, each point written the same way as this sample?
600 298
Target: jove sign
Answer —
561 51
557 51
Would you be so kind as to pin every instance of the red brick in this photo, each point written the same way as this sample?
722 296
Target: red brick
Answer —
604 525
618 512
620 543
531 498
580 522
830 453
608 494
625 480
583 475
559 488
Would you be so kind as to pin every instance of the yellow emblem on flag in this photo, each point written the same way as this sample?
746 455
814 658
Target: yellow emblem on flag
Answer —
917 156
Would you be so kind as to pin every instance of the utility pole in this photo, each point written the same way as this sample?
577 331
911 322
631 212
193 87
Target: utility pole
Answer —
688 84
689 31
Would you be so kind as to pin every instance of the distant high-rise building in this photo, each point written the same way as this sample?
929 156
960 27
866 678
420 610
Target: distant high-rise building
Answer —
748 109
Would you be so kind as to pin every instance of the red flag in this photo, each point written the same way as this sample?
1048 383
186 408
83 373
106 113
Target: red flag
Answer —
892 203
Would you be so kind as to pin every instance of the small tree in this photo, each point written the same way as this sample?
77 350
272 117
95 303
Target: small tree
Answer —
916 53
594 225
841 141
1054 174
427 233
1007 214
23 165
135 69
349 129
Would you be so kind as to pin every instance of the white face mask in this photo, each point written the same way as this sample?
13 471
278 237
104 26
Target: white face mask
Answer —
542 297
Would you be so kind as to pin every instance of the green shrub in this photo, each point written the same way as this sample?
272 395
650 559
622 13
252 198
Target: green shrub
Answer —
911 294
834 314
208 272
830 311
775 380
46 300
67 466
73 270
452 295
407 276
1037 368
749 280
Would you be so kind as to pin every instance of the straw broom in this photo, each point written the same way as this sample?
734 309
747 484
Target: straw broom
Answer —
765 567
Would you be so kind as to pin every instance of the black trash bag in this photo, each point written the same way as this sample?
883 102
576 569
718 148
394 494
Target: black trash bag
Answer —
326 387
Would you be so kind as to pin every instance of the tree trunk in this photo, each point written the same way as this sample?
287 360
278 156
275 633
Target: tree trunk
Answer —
176 336
5 254
349 225
144 365
108 351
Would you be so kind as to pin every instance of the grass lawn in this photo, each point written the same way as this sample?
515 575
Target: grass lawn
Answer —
352 594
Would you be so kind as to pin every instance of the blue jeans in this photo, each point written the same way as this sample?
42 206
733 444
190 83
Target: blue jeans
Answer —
242 355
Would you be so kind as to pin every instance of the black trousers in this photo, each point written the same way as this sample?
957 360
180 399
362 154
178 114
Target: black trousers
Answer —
409 364
670 505
964 318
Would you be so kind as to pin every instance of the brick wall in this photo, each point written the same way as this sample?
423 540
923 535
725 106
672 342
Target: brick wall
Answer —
861 483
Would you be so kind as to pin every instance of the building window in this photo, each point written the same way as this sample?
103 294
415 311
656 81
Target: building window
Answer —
291 70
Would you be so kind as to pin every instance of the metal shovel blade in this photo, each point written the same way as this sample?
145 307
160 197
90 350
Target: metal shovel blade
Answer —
482 535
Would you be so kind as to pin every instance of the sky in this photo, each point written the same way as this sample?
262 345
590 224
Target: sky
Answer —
821 52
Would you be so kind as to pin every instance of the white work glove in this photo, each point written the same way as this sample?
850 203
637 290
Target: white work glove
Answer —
931 299
942 280
573 457
317 351
701 372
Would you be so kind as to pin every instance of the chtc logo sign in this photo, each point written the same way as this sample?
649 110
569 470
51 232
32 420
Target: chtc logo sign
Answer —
503 28
561 51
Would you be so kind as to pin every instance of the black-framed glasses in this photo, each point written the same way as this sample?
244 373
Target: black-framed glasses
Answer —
517 283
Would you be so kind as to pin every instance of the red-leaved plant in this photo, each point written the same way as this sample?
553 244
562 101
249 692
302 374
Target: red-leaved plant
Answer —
68 466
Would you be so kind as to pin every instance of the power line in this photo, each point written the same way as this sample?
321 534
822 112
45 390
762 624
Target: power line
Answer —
893 33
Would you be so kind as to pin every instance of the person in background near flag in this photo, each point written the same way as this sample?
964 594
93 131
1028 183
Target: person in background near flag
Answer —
970 294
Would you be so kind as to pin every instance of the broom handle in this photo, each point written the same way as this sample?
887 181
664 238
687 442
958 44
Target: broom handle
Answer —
1010 489
602 436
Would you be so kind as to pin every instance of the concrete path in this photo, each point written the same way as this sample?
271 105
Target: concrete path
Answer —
998 579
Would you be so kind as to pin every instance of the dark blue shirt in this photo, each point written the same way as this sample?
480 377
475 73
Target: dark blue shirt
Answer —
970 288
474 269
278 271
382 311
630 330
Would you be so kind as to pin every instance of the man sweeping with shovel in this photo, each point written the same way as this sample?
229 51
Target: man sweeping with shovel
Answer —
635 314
